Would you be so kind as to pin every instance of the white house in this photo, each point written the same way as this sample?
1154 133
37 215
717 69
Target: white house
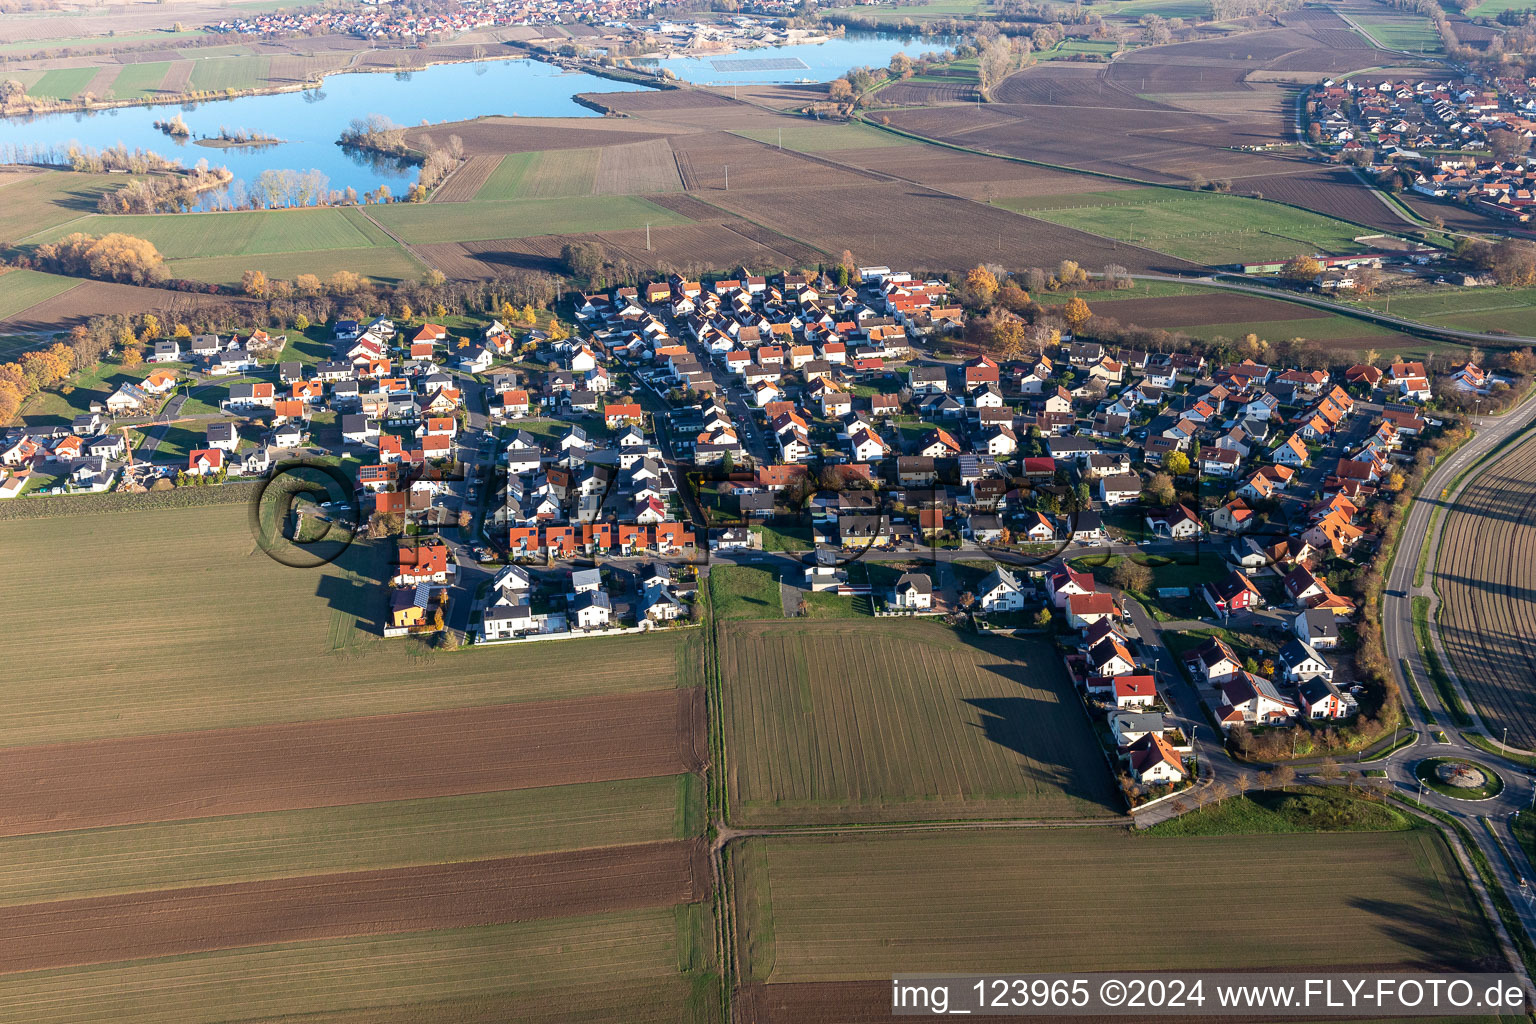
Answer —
1000 592
1153 760
1252 700
1299 663
913 592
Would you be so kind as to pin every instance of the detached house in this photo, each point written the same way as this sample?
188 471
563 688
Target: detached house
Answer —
1000 592
1247 699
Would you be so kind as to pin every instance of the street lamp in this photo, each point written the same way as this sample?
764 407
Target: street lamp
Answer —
1421 792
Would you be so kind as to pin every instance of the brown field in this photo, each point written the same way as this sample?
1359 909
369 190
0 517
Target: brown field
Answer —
927 94
178 79
1485 579
971 175
1198 310
95 298
175 922
933 231
637 168
659 101
466 181
1146 145
502 135
348 761
1332 191
704 157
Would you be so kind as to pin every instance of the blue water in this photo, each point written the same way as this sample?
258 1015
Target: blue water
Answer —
311 121
824 61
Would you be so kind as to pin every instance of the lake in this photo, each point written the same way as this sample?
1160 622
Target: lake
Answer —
312 120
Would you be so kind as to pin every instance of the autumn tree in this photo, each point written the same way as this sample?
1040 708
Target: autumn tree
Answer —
344 282
254 283
301 322
1013 298
1176 463
307 284
1301 269
151 326
1160 488
112 257
981 283
1076 313
132 357
839 90
992 68
1129 575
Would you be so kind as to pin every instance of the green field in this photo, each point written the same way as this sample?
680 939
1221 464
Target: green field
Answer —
1078 47
1411 32
1188 9
62 83
35 202
52 408
1204 227
388 263
177 655
215 74
203 235
537 971
20 289
1086 899
816 138
520 218
931 10
1476 309
829 721
1494 8
137 81
550 174
744 592
359 837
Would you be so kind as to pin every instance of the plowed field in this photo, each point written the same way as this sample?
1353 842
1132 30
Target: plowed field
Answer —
1487 586
359 760
429 897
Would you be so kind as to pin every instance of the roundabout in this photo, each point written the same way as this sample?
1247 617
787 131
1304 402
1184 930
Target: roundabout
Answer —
1459 778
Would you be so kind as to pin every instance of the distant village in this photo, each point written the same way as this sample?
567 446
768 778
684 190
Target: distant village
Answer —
1461 141
546 483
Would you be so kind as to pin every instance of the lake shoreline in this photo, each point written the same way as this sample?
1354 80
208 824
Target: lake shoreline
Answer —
187 99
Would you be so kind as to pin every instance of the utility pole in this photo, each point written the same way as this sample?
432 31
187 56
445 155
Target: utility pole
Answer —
727 177
781 138
647 236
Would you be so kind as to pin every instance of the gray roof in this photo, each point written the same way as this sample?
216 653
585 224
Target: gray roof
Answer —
587 578
916 582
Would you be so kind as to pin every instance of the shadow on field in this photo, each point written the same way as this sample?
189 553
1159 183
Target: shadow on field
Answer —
1014 723
360 594
1416 927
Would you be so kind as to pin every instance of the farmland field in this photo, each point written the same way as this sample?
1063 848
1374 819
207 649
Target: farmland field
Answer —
1483 573
389 263
302 841
1203 228
931 10
203 235
902 721
1400 31
22 288
542 175
136 81
481 220
1474 309
178 655
528 971
34 202
816 138
216 74
63 83
816 916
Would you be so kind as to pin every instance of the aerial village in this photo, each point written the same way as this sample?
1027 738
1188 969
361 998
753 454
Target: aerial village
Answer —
537 484
1459 142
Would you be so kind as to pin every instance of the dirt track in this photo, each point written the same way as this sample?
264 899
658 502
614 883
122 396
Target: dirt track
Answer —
354 760
179 921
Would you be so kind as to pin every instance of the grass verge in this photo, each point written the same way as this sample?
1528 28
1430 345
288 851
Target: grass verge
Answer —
1449 698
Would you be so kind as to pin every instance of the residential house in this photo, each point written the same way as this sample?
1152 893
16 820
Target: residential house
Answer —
913 592
1000 592
1247 699
1299 662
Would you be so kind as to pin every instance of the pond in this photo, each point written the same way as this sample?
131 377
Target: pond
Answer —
309 122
